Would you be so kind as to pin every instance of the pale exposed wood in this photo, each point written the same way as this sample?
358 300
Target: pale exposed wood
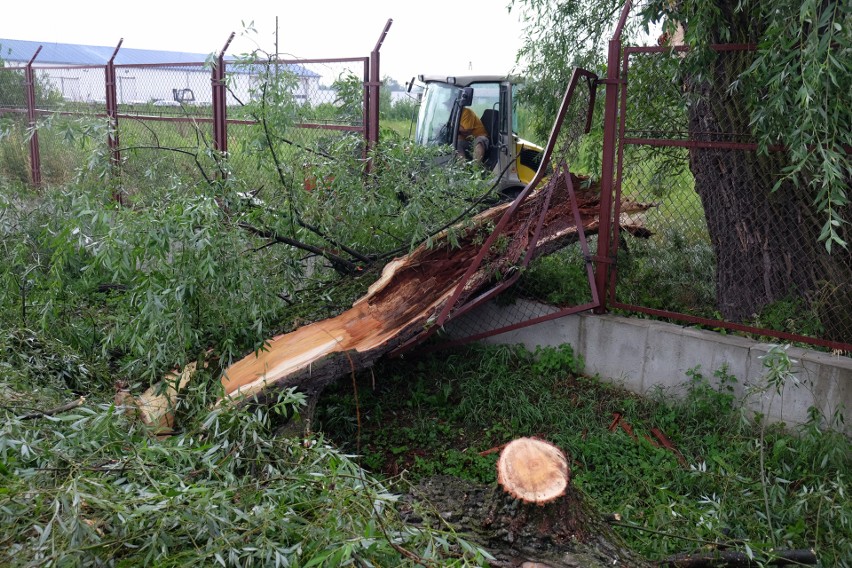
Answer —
533 470
155 406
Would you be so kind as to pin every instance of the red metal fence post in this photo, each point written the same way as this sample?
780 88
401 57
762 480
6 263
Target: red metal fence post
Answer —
220 102
35 156
613 83
373 87
367 122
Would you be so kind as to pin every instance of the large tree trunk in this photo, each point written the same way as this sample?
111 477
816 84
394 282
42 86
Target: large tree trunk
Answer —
766 242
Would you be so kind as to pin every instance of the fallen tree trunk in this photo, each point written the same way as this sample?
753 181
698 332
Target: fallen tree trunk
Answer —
398 309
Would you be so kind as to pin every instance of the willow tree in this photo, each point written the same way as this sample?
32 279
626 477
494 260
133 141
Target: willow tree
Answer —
780 226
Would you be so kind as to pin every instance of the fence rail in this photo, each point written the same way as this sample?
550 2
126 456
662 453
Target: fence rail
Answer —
142 102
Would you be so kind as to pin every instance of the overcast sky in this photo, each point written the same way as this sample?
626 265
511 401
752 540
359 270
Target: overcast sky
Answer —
431 36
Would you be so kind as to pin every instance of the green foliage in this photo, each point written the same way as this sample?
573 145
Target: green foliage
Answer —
438 414
792 314
150 288
350 96
199 266
556 361
46 362
13 92
404 109
558 37
795 90
397 206
815 48
559 279
90 487
671 271
13 150
16 132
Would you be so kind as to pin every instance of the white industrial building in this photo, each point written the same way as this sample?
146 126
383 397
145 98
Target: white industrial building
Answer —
142 75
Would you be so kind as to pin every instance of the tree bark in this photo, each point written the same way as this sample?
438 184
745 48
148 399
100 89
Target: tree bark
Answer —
565 533
766 242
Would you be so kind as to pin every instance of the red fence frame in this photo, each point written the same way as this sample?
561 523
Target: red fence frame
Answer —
612 164
220 121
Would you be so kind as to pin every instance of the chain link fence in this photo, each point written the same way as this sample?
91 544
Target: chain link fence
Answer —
702 231
723 245
160 120
733 244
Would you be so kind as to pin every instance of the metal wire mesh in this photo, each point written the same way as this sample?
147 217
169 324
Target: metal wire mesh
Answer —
164 118
12 93
327 105
730 246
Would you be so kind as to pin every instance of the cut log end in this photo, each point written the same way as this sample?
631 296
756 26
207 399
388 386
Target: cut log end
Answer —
533 470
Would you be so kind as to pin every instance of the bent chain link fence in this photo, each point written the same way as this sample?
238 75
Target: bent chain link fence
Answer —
557 281
726 251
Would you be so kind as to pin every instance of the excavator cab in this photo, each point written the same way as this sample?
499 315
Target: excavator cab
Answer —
510 160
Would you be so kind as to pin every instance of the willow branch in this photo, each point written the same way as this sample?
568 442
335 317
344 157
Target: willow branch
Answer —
59 409
340 264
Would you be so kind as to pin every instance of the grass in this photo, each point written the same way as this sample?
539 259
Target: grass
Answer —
443 414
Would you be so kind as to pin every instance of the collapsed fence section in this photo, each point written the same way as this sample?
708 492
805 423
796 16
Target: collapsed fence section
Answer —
567 214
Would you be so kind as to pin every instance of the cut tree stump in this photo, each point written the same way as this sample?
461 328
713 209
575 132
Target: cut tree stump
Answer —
398 308
533 470
535 518
565 533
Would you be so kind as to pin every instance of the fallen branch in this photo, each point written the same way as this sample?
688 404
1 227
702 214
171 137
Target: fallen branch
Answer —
400 308
664 440
53 411
493 450
340 264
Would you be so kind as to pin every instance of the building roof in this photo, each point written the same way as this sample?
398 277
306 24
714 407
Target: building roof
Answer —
20 51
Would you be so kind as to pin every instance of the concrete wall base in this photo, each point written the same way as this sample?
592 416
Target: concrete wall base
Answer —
644 354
